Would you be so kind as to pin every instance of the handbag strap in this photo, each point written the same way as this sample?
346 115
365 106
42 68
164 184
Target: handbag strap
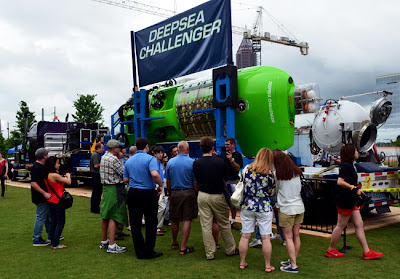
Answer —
243 173
302 180
48 184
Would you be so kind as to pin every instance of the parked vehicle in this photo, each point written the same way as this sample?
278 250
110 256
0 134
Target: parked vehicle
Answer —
69 141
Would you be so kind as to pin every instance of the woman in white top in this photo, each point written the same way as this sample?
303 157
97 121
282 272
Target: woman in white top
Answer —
290 205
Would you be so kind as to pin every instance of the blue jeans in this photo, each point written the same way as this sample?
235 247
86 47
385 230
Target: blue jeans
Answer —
258 235
42 217
57 214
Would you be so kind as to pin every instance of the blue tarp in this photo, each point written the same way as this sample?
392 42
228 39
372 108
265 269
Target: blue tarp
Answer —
12 150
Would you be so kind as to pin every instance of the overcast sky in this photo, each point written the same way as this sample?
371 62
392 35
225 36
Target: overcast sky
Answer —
50 51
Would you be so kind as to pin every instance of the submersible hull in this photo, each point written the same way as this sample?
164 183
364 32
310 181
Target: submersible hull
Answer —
264 118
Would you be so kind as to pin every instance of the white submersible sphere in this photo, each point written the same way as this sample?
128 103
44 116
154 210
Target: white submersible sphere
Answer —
343 118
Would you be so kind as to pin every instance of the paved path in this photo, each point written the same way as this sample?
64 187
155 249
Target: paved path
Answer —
82 191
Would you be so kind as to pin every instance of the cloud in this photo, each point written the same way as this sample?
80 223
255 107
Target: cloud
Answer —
50 52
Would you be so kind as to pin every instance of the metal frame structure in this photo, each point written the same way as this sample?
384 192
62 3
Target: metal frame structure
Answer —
136 6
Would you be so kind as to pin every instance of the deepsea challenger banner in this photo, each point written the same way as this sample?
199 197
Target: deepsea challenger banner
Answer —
192 41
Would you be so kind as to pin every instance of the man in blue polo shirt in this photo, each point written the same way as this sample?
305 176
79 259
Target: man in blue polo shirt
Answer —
183 189
141 172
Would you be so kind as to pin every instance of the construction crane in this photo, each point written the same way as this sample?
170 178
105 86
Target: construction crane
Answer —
133 5
256 35
253 37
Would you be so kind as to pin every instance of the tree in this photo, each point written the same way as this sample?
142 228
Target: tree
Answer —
3 145
19 131
88 110
397 142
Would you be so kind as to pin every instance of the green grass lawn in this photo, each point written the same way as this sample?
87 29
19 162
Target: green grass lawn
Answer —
84 259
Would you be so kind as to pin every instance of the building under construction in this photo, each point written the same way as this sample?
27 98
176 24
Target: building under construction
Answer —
245 56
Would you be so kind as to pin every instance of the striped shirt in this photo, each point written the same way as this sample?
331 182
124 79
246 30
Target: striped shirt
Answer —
111 169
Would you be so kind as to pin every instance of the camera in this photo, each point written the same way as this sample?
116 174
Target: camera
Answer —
363 200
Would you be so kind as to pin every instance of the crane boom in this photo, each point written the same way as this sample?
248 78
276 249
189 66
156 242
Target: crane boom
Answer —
303 46
133 5
256 37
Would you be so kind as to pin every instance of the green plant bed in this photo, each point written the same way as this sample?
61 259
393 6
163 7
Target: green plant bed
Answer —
83 258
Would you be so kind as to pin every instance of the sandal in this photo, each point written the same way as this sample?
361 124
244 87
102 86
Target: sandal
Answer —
269 269
243 266
186 251
175 245
59 246
218 246
235 253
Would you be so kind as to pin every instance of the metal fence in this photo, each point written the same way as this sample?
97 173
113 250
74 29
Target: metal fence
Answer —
321 215
391 160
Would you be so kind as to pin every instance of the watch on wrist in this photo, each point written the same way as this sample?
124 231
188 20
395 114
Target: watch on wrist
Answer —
233 160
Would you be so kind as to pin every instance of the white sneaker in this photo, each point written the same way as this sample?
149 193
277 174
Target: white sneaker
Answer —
276 236
116 249
255 243
104 245
284 243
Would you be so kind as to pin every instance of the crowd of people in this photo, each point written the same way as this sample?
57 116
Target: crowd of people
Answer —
149 189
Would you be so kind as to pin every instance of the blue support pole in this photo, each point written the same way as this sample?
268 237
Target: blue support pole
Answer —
141 121
222 93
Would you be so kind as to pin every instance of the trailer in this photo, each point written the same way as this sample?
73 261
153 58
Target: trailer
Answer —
69 141
343 121
257 107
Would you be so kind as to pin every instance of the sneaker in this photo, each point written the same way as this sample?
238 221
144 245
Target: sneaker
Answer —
104 245
284 243
235 226
290 269
116 249
286 263
41 242
276 236
371 255
256 243
333 254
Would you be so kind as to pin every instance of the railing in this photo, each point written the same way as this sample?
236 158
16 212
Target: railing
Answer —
321 215
391 161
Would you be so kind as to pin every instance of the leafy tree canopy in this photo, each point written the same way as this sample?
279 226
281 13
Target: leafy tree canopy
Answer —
3 146
18 132
397 142
88 110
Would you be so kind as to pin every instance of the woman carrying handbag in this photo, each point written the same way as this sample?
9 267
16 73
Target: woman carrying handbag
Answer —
259 187
290 206
347 194
55 186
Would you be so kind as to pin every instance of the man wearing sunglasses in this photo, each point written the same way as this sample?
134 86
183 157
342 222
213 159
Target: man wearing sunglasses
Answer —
233 163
